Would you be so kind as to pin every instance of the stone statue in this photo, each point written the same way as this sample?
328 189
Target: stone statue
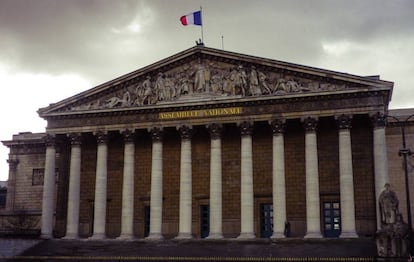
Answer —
388 204
393 237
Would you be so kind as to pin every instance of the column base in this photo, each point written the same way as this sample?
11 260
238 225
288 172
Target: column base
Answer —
71 236
184 236
313 235
348 235
46 236
97 236
154 237
126 237
277 235
243 236
215 236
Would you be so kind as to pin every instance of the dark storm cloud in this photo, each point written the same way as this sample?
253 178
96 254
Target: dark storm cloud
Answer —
56 36
89 38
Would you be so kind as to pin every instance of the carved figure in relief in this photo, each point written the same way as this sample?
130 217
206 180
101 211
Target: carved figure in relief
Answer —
145 96
116 101
216 83
263 83
254 83
293 86
183 86
201 79
159 87
281 86
228 84
240 80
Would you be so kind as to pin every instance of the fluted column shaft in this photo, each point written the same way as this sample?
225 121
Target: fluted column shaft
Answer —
279 186
246 192
49 187
346 179
185 219
100 188
215 182
156 186
380 159
127 213
72 226
313 228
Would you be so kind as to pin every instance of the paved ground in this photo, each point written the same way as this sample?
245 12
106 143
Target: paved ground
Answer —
16 246
202 250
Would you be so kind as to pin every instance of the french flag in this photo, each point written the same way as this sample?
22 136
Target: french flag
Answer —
191 19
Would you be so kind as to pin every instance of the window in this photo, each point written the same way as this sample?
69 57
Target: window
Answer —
38 175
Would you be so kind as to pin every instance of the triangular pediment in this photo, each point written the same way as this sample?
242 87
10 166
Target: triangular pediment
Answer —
205 74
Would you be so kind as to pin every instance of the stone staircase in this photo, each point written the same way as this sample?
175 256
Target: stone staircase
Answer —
202 250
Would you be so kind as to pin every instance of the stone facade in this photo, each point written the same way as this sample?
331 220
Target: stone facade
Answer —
232 90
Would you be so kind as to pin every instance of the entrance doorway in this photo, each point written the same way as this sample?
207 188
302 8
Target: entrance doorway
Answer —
266 220
204 221
331 218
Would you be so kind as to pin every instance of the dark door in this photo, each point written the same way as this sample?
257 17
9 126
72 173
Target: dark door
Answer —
331 218
266 220
204 221
147 212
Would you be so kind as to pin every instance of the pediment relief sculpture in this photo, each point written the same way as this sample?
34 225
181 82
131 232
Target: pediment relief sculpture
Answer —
202 80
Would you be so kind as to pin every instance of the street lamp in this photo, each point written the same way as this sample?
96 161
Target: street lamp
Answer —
405 153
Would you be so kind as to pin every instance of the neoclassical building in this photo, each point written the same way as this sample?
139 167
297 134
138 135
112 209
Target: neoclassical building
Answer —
210 144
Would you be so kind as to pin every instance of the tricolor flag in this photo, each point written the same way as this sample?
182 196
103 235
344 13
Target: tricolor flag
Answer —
191 19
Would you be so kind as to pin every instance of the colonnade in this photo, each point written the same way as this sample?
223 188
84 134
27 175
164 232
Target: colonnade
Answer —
215 200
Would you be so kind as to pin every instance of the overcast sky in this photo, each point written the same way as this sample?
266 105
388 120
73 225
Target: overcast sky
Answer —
50 50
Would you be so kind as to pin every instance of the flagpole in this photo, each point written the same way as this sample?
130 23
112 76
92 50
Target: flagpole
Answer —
202 22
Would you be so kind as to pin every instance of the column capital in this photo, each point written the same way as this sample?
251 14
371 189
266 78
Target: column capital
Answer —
50 140
101 137
379 120
129 135
215 130
344 121
186 131
156 134
310 123
277 125
75 139
13 164
246 128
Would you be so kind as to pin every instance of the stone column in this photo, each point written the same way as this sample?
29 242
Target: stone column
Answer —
185 221
11 183
216 231
380 159
246 196
49 188
72 226
99 222
127 216
279 186
156 186
313 228
346 179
